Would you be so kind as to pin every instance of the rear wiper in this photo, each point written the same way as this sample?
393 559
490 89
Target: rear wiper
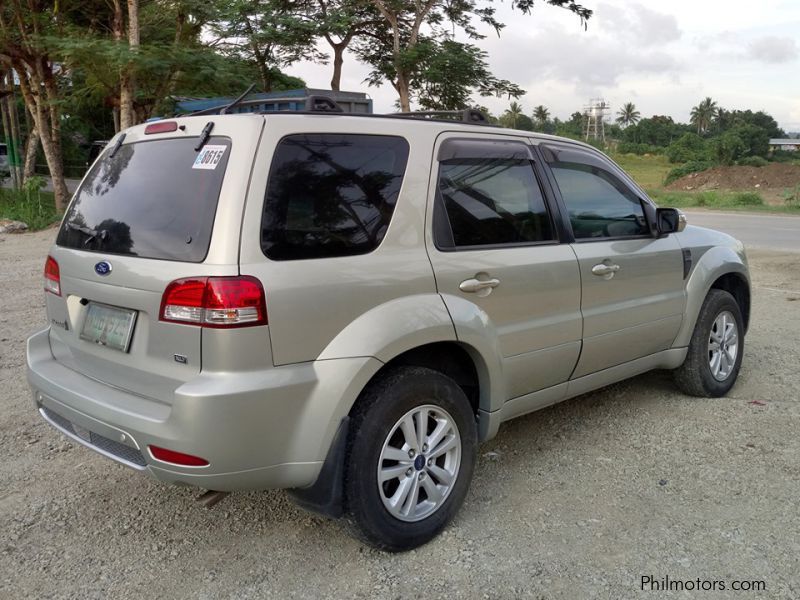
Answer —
92 234
204 135
116 147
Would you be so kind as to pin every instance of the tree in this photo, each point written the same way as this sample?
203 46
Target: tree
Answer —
628 115
540 115
270 34
513 113
658 130
339 22
23 46
703 115
398 56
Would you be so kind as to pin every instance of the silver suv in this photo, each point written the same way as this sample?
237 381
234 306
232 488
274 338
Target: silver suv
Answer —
346 306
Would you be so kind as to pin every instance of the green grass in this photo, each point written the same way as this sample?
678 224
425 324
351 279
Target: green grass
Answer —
648 171
718 199
36 208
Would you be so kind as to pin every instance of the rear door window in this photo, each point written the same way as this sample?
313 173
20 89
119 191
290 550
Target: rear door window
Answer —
153 199
331 194
488 195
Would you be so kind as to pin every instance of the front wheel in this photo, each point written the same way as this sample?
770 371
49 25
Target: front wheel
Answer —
410 459
715 350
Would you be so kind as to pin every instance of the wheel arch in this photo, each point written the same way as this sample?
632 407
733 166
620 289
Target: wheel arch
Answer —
721 268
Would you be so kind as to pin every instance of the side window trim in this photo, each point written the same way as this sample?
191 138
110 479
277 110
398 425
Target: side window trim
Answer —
522 149
624 180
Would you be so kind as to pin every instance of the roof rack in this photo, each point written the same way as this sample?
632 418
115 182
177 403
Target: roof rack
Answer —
468 115
325 104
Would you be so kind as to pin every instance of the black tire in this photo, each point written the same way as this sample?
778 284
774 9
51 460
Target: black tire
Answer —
694 377
381 405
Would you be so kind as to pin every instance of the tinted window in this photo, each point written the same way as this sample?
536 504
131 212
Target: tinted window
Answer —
331 194
491 201
154 199
599 204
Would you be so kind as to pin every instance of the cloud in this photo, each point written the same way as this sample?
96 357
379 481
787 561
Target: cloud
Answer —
592 63
638 24
773 49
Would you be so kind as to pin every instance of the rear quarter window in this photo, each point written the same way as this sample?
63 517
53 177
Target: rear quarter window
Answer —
331 194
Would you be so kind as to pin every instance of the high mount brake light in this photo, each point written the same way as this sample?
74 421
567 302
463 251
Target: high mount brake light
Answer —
52 276
219 302
160 127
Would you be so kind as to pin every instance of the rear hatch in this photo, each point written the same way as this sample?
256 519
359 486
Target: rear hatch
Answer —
154 208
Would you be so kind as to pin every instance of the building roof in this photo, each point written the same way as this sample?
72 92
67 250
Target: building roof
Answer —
784 142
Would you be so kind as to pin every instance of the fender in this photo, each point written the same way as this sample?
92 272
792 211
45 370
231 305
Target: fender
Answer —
476 331
713 264
390 329
394 327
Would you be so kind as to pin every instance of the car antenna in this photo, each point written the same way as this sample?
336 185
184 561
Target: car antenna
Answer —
117 145
224 110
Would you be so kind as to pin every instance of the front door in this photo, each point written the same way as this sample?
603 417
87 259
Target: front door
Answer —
497 256
632 282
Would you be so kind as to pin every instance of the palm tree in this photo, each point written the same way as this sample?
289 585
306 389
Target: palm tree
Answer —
513 113
540 114
703 115
628 115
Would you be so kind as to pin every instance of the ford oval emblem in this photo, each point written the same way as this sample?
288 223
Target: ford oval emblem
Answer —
103 268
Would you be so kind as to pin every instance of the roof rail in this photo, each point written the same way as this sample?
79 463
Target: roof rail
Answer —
468 115
322 104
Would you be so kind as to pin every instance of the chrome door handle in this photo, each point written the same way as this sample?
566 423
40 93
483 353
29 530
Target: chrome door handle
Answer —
603 270
481 287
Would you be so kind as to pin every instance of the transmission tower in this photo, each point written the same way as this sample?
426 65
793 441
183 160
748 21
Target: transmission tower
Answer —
594 119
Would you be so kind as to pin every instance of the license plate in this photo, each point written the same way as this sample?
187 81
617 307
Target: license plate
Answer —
108 326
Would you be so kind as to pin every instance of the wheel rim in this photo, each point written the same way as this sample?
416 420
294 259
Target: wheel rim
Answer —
723 346
419 462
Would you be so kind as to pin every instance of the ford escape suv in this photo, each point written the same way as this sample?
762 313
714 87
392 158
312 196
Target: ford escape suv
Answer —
346 306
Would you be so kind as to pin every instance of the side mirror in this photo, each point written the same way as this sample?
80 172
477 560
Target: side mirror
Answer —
670 220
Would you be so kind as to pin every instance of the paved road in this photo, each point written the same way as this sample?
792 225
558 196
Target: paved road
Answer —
776 232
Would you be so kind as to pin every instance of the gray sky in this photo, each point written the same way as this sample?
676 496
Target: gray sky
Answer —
662 56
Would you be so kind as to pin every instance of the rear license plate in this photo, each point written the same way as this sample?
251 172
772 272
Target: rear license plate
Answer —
109 326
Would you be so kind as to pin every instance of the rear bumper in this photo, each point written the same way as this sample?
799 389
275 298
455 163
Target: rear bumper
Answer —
258 429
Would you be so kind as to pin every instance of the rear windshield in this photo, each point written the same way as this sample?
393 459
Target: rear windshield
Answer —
331 194
154 199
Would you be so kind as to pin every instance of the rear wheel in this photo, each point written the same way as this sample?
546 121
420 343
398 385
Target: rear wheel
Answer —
715 350
410 458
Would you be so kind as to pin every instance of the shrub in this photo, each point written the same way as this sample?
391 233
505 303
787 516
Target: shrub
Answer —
748 199
792 197
694 166
640 149
689 147
29 205
752 161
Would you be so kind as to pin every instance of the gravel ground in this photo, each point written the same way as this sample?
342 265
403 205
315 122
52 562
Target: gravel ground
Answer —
577 501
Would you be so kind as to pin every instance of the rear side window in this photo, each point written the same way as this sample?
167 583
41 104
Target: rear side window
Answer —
331 194
490 198
153 199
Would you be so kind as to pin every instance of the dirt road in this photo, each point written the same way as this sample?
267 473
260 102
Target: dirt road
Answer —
578 501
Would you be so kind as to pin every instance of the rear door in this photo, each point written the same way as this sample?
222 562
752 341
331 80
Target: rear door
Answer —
152 209
632 282
496 246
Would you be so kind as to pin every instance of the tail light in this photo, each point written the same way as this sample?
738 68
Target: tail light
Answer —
52 276
215 302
